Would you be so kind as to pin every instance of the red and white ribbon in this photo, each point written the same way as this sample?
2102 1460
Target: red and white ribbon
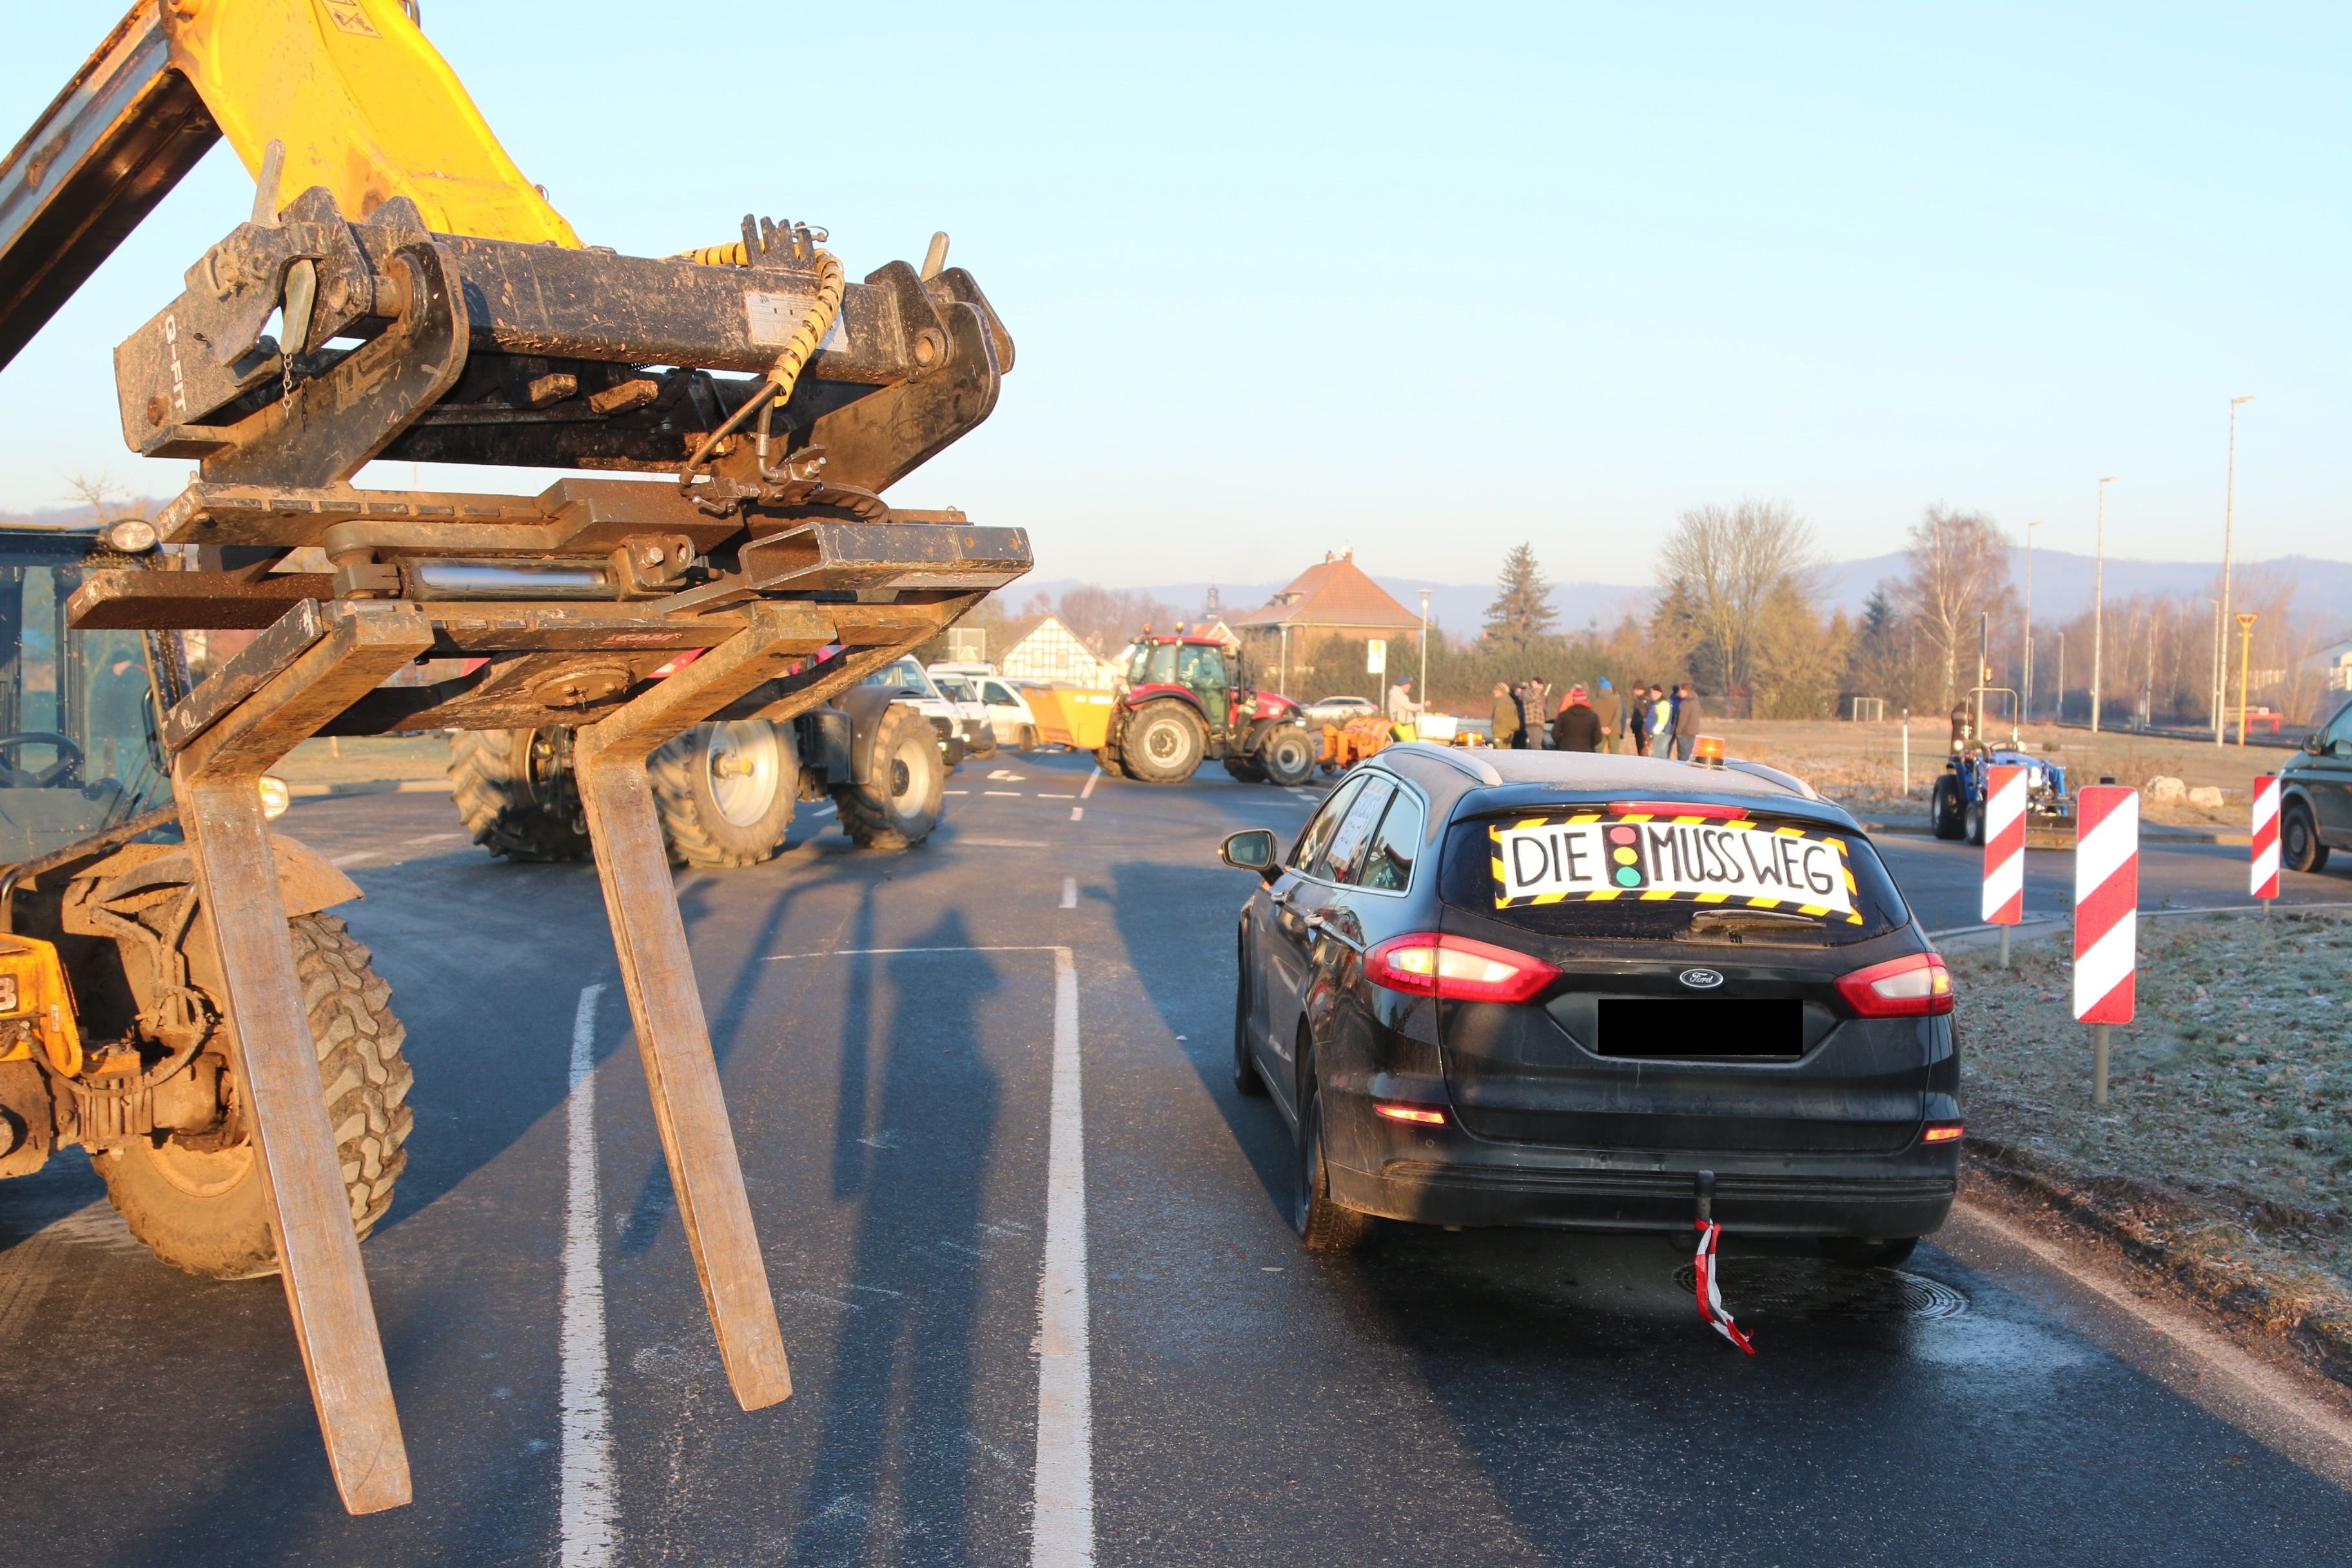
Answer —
2266 840
1710 1298
2004 845
2106 902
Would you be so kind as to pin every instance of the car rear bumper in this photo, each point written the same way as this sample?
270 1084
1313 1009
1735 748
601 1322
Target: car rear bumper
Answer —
1447 1176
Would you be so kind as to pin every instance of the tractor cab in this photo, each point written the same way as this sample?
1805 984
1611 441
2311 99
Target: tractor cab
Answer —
1956 801
78 747
1202 669
1185 700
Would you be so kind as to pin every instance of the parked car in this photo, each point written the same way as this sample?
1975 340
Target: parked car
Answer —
1338 711
1007 710
962 734
1483 989
2316 796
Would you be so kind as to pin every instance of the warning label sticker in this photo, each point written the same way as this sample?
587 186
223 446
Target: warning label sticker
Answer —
773 318
1595 858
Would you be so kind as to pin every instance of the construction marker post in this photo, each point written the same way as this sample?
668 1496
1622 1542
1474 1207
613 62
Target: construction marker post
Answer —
2004 847
2107 915
2265 841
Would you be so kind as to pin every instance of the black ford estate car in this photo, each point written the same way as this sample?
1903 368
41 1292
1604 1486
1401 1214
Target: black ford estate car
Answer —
1547 988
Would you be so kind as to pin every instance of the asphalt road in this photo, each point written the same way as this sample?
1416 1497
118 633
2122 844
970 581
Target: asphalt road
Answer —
888 1030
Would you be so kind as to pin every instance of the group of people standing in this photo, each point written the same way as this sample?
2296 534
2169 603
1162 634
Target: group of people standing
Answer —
1645 720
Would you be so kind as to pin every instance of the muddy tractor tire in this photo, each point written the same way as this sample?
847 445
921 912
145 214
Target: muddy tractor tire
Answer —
725 792
1163 743
898 806
204 1212
515 794
1286 757
1246 769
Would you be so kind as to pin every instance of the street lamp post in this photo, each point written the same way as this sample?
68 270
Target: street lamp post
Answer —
2099 605
2245 620
2229 529
1420 693
2025 699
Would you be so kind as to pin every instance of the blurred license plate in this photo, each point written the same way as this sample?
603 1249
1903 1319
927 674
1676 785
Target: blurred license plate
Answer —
1670 1027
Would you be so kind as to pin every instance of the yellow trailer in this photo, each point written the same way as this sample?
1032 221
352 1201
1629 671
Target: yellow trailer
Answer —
1074 716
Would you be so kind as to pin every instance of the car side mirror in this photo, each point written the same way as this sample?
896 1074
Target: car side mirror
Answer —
1252 849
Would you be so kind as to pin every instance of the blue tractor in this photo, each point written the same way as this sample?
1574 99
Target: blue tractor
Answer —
1955 804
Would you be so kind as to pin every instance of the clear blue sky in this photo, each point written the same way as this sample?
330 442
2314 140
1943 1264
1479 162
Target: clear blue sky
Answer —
1430 280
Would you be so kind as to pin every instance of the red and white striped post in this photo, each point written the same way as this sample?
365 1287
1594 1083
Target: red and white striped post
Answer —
2004 861
2265 841
2107 915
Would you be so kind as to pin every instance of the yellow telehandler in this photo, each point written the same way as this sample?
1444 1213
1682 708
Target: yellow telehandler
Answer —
172 995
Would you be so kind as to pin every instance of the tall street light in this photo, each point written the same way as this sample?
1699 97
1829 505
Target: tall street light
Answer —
2099 605
1420 693
2025 698
2229 528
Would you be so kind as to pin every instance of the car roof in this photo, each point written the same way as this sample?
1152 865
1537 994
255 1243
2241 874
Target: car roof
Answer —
1480 779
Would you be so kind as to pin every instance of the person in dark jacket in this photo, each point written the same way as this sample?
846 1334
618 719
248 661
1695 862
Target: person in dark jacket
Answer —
1612 714
1685 720
1575 728
1507 716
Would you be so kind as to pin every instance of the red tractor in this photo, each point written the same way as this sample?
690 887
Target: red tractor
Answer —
1185 700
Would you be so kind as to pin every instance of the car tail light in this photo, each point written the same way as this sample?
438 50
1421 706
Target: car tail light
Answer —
1941 1132
1456 968
1900 988
1427 1115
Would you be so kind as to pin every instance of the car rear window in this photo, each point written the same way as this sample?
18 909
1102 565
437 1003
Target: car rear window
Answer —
1585 872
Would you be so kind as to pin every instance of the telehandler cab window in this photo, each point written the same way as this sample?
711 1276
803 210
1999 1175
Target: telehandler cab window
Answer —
77 750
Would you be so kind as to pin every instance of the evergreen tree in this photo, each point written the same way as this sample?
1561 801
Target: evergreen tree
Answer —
1522 611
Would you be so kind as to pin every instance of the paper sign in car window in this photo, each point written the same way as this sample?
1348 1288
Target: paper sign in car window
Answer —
1594 859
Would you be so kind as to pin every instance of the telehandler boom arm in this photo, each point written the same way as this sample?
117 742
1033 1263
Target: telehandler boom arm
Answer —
434 307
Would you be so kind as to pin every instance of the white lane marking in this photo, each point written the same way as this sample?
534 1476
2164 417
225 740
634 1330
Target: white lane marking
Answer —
1062 1516
586 1512
827 809
433 839
1062 1508
1070 892
1014 793
2271 1407
1002 843
955 792
1007 775
1077 813
1092 779
356 857
1052 794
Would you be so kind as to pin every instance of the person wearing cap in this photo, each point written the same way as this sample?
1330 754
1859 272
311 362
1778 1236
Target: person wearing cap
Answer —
1575 728
1611 711
1402 709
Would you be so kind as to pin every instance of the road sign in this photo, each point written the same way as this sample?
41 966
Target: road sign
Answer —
1376 656
2004 845
2107 915
2265 840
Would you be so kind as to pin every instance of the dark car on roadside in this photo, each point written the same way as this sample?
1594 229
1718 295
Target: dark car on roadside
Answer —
1544 988
2316 796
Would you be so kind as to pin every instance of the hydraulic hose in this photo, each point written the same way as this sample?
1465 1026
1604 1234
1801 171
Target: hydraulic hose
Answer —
823 311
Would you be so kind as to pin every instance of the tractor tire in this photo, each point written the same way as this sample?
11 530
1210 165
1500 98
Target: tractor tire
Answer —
1975 818
725 793
1944 814
1028 738
1246 769
1288 757
515 792
901 805
205 1213
1164 742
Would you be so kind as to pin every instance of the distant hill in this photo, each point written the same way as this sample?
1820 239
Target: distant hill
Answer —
2062 588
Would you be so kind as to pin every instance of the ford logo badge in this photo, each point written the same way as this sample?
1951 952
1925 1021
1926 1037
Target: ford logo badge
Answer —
1701 979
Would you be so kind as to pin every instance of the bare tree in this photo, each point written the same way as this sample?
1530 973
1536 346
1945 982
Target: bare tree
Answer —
1720 568
1959 571
100 492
